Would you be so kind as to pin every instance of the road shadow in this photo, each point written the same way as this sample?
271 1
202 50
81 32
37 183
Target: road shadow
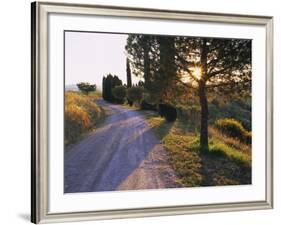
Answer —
219 169
163 129
128 153
123 163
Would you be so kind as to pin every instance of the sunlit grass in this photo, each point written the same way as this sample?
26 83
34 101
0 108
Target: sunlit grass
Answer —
233 142
219 148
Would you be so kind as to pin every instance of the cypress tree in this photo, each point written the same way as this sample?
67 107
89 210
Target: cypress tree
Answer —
129 76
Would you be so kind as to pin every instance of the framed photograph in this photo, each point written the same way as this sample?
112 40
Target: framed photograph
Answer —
146 112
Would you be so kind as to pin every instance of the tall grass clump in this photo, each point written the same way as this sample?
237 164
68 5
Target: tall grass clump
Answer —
81 114
77 121
234 129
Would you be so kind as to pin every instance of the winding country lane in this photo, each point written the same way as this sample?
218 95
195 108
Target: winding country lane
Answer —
122 154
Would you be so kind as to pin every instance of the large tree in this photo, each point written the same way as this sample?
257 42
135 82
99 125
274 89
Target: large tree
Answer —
217 67
153 59
167 73
143 54
108 83
196 68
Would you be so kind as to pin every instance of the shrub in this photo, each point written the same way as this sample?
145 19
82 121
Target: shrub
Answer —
77 121
119 92
147 106
135 94
85 88
168 112
129 102
189 115
234 129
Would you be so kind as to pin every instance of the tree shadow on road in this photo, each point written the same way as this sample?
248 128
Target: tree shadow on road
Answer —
106 169
130 156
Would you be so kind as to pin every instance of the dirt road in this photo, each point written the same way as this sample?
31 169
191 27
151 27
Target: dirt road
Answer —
122 154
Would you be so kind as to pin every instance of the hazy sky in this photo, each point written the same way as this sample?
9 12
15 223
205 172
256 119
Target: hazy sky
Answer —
90 56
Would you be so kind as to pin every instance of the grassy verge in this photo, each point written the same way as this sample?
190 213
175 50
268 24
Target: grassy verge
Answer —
227 163
95 95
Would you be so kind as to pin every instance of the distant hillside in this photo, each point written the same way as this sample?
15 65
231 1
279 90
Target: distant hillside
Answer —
71 87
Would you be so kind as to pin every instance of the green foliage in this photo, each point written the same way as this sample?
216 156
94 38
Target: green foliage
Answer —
153 58
119 93
135 94
234 129
86 87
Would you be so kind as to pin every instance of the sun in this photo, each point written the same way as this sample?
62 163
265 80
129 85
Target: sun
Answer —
197 72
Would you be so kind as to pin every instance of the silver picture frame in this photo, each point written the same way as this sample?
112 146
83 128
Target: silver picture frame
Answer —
40 101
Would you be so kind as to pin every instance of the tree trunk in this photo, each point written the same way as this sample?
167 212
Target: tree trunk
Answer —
146 62
204 117
129 76
204 144
167 68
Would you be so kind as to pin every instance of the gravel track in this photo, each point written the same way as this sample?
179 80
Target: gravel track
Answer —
122 154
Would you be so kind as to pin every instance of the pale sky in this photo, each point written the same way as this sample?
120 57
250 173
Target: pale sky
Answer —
90 56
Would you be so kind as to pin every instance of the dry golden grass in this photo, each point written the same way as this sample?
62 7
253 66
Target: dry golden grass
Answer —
81 115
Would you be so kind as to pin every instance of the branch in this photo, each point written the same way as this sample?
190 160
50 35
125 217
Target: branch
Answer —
238 64
220 85
186 84
186 65
219 71
225 84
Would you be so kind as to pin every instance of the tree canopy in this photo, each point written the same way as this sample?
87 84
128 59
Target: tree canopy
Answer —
192 69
